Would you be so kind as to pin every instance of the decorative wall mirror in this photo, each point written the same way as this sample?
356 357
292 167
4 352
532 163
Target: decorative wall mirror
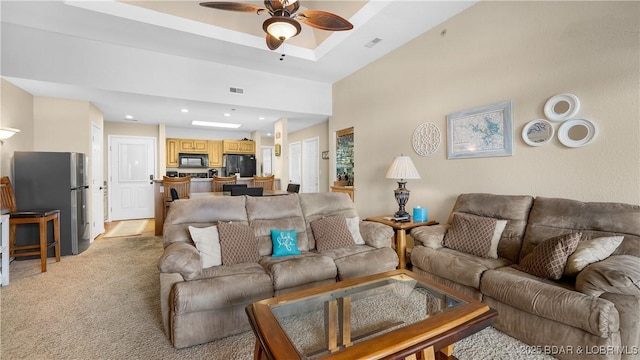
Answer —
537 132
577 132
344 156
561 107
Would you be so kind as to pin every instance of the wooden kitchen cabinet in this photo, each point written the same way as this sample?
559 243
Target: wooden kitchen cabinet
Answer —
194 146
172 152
215 153
239 147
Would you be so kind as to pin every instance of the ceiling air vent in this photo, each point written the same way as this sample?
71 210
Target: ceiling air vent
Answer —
236 90
372 43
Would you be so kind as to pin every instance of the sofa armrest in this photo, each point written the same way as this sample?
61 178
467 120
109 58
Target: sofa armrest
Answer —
429 236
181 258
375 234
618 274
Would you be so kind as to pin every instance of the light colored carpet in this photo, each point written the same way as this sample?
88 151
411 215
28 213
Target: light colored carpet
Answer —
104 304
127 228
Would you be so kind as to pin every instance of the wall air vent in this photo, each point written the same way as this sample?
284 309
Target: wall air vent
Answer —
236 90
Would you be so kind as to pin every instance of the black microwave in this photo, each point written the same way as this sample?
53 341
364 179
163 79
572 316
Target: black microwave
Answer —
193 160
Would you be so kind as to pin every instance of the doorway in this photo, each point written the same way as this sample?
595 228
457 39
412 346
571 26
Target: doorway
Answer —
295 175
310 165
132 166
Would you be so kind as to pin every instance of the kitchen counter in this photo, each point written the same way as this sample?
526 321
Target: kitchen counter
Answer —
198 185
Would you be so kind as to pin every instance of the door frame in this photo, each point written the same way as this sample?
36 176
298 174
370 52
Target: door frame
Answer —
97 179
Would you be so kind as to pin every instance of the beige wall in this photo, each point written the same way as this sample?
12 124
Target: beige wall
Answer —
525 52
321 132
17 112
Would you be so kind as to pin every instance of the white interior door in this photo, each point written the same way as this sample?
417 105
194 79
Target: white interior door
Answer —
294 163
97 189
310 166
132 166
267 160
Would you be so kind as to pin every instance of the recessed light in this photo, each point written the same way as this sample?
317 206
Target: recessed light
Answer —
261 118
185 110
215 124
128 117
227 114
269 134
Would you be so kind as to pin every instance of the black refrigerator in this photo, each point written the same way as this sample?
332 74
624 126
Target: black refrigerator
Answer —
53 180
245 165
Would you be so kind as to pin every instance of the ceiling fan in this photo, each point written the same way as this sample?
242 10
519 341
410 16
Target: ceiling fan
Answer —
284 22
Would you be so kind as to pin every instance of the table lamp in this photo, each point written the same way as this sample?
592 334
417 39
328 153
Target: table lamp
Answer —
402 168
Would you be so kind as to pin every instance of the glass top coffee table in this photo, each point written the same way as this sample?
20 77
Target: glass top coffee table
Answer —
393 315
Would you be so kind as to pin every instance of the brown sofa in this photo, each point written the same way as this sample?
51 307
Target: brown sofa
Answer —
200 305
595 314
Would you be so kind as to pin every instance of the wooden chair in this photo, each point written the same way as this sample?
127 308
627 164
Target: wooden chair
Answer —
35 216
218 181
265 182
174 189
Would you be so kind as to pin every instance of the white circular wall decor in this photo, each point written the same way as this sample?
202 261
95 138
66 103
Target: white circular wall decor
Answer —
577 132
561 107
426 139
537 132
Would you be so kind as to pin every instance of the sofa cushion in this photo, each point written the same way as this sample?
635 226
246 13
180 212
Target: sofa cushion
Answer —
354 228
546 299
331 232
454 265
591 251
549 258
238 244
207 242
284 242
475 235
513 208
619 274
556 216
221 287
319 205
292 271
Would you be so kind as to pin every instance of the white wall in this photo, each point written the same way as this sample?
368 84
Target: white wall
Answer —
525 52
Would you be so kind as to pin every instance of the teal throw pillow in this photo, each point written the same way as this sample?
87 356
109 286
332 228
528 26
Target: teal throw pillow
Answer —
285 242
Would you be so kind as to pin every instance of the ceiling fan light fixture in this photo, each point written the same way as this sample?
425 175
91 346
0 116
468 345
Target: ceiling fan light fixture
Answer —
281 27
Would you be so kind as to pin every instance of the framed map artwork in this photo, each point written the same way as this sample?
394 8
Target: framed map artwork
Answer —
481 132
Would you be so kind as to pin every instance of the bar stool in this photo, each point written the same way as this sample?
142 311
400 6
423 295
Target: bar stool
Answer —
174 189
265 182
219 181
35 216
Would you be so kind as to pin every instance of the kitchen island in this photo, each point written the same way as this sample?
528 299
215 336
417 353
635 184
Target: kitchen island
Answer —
198 185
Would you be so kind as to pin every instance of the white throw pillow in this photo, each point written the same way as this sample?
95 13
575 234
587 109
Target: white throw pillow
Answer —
495 240
354 228
591 251
207 242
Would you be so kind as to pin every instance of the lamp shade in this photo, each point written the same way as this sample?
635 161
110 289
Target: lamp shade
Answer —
6 132
402 168
281 27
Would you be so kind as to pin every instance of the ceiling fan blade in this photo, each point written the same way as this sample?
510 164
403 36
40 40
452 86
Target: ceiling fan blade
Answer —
273 42
323 20
233 6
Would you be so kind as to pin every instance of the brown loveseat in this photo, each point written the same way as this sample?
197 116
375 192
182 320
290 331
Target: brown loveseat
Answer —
200 305
594 314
